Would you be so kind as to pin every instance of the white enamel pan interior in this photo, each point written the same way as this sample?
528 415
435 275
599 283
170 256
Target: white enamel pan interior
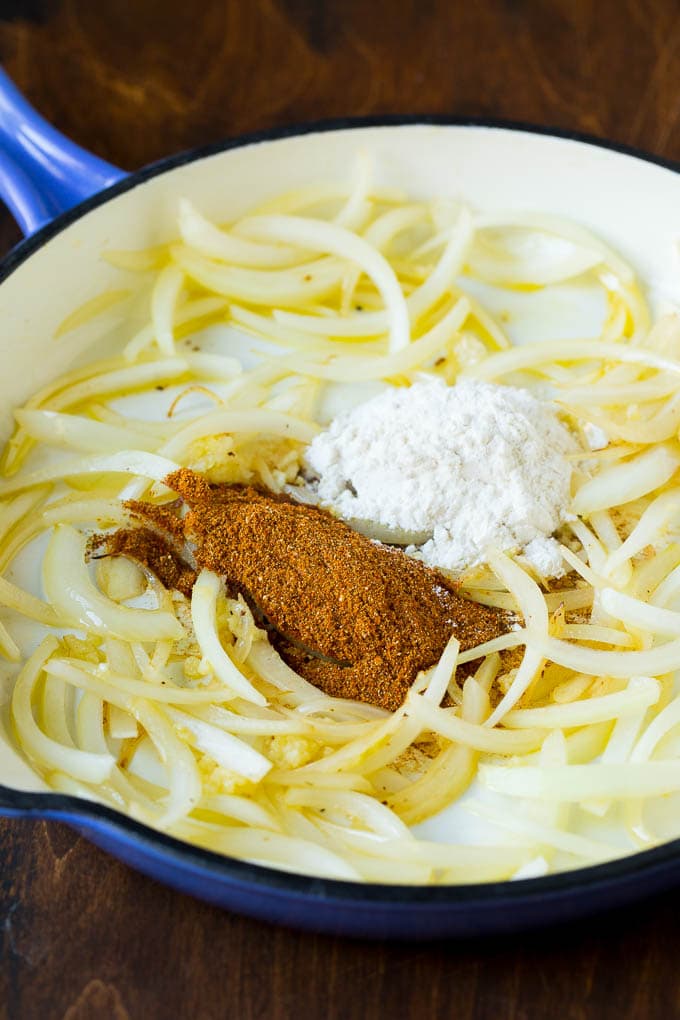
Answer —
632 203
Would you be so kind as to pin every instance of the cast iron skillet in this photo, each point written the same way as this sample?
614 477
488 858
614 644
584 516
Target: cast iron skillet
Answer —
48 183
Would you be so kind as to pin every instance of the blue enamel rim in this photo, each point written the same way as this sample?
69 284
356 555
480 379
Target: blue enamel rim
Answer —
328 904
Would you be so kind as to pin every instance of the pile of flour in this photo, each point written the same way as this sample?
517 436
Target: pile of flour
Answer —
462 467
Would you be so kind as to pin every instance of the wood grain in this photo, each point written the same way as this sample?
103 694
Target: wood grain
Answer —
85 938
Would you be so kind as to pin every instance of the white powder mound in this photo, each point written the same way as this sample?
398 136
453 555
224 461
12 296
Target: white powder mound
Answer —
464 467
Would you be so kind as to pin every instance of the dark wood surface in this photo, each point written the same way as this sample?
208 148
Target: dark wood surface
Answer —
84 937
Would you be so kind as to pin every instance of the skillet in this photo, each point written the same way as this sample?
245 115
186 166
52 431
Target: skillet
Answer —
70 205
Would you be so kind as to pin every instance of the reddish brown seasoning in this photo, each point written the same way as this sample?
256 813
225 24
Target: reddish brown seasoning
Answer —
356 618
161 517
151 550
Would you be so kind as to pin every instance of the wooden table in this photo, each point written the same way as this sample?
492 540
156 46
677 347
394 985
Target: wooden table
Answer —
83 936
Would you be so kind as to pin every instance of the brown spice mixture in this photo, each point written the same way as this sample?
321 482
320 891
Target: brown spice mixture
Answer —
356 618
152 551
161 517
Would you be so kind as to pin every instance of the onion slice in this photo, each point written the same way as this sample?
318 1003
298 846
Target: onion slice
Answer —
75 598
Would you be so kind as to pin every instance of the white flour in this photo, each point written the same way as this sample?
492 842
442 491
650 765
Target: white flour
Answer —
460 468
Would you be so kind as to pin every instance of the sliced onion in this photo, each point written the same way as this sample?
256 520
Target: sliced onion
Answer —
591 710
204 597
78 433
208 240
164 298
84 765
579 782
74 597
227 750
627 481
336 240
130 462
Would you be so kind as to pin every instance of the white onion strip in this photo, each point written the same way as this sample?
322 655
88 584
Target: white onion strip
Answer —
76 599
574 783
242 422
591 710
204 597
336 240
130 462
91 768
227 750
627 481
76 432
164 297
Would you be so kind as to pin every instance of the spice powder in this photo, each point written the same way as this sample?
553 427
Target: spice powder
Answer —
356 618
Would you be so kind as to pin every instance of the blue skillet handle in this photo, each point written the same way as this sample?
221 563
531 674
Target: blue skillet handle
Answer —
42 173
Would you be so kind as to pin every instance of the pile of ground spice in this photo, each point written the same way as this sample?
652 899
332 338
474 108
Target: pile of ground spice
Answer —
153 551
356 618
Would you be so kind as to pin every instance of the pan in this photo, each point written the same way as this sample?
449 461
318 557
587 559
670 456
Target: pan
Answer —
70 205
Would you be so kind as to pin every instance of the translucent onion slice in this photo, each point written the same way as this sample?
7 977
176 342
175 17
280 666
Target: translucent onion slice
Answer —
269 665
127 462
262 846
649 740
658 514
625 482
91 309
336 240
359 368
227 750
199 233
452 770
100 678
522 586
354 212
661 426
164 297
184 781
204 597
468 862
242 809
641 615
385 228
512 640
604 394
418 303
76 432
652 662
256 422
121 380
575 783
75 598
28 605
492 263
8 645
591 710
188 312
534 608
368 811
529 670
122 726
272 287
546 835
536 354
443 672
561 227
490 741
90 768
325 780
622 741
